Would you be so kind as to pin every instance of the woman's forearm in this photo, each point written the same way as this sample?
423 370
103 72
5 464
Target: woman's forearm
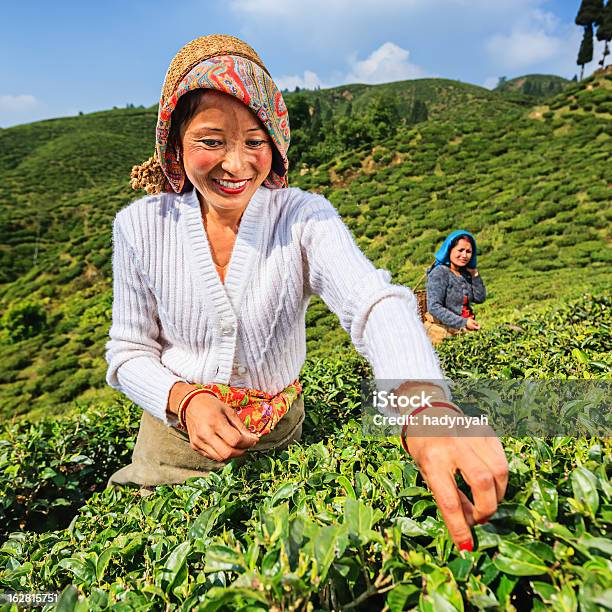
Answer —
396 343
434 392
145 381
478 287
178 391
446 316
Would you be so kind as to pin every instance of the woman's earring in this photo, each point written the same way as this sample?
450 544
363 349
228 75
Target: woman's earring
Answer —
178 155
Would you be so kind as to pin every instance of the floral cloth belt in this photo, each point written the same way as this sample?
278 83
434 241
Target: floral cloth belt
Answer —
258 410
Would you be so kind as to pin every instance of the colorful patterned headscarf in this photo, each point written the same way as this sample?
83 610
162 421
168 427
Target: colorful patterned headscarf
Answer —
229 65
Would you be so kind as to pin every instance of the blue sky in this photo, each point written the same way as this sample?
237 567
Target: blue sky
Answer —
59 58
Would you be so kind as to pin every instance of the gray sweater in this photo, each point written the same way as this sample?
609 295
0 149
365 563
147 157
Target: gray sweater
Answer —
445 291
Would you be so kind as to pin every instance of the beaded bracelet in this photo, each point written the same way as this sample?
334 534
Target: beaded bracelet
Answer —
182 424
420 409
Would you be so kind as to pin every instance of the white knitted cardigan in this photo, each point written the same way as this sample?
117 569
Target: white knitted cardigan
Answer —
173 319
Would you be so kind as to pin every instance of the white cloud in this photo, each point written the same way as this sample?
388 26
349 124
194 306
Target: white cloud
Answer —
309 80
535 38
540 41
386 64
474 39
323 27
262 8
21 103
265 9
490 82
520 50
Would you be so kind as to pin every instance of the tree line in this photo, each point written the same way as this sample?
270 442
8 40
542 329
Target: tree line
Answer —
594 14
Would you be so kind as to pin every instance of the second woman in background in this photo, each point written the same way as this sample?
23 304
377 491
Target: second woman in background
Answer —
453 285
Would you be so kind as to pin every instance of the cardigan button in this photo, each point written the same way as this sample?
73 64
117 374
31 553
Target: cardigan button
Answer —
240 370
227 327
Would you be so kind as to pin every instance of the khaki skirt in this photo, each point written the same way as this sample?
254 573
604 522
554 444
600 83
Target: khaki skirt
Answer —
163 454
437 331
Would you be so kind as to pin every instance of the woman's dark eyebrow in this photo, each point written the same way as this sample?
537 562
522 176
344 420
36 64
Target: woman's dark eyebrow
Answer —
206 128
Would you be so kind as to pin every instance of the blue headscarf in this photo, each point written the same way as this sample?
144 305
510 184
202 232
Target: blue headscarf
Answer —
443 253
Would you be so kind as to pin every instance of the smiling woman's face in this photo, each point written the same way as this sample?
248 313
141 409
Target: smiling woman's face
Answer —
461 253
226 152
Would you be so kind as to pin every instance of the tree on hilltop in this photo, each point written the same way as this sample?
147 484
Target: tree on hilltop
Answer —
585 55
589 14
604 31
419 112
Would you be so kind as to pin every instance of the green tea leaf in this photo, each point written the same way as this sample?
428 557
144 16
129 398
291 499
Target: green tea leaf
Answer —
598 543
220 557
461 567
420 507
504 590
438 601
323 548
409 527
516 513
103 561
584 485
399 595
83 571
546 499
202 526
283 492
67 600
359 519
544 589
47 473
344 482
173 566
517 560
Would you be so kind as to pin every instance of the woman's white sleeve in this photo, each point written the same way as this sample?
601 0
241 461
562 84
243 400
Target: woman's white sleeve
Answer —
133 352
380 317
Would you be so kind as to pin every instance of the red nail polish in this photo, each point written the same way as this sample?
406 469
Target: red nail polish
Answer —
466 546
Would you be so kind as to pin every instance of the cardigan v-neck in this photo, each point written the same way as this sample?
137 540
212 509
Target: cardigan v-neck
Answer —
244 252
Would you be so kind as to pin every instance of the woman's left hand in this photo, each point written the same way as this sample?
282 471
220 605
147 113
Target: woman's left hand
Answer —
471 324
481 461
473 271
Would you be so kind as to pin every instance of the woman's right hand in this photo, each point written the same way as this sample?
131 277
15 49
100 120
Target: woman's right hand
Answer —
215 430
472 325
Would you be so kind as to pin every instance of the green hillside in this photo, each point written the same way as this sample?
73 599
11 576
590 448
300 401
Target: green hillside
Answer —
341 520
533 85
532 183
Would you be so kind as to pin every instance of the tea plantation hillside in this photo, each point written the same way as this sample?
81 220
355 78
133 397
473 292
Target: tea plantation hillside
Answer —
339 521
404 163
533 85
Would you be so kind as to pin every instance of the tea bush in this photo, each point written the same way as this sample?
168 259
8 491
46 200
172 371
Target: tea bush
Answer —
344 520
24 320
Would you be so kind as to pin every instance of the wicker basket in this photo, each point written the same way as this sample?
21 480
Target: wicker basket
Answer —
421 296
